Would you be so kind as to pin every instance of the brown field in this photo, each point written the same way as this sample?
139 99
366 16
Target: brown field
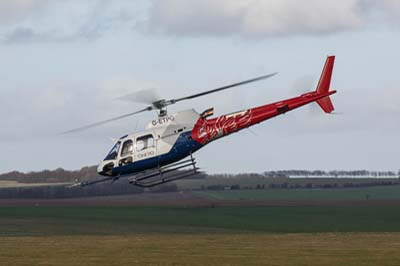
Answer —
189 199
331 249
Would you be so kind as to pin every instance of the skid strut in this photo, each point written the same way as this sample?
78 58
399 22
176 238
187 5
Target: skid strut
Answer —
165 174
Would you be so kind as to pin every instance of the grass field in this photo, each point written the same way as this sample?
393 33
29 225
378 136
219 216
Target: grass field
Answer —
43 221
347 249
199 236
210 234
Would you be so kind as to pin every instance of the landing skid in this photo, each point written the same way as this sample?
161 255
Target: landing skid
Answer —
165 174
153 177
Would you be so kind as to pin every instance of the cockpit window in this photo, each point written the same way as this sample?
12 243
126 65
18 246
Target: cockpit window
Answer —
145 142
112 155
127 148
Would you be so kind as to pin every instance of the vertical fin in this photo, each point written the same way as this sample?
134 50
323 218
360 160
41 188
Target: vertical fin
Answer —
324 85
326 76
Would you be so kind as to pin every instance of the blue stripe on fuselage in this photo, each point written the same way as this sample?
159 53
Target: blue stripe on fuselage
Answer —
183 147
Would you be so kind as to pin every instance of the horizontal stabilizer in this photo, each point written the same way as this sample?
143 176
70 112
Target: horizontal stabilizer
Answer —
326 105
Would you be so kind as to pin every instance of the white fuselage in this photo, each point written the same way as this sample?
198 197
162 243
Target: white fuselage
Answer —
157 139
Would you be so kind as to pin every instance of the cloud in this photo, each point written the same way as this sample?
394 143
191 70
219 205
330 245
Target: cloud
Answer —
12 11
24 35
27 21
256 18
46 21
390 9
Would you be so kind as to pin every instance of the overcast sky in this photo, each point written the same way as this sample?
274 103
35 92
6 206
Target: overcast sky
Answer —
63 63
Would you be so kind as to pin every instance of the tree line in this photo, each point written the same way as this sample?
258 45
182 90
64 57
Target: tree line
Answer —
333 173
267 180
60 175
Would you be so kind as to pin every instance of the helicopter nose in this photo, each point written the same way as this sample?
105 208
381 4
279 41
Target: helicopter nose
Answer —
105 168
100 168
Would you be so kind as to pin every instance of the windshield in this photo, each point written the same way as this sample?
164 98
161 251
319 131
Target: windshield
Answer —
112 155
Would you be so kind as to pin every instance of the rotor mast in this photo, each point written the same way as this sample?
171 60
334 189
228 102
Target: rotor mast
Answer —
161 105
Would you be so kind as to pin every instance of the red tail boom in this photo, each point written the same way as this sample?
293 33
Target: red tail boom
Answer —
207 130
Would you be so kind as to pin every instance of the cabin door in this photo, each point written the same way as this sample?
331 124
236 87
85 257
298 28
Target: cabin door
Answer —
145 147
127 153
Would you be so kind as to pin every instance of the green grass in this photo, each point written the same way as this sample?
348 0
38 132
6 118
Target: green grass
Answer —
375 193
27 221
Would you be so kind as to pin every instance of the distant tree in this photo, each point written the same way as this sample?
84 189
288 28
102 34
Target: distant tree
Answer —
285 185
215 187
235 187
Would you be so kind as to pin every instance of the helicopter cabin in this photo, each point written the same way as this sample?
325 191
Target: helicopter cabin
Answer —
163 141
134 148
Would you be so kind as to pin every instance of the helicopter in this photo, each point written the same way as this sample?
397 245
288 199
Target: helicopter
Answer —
163 152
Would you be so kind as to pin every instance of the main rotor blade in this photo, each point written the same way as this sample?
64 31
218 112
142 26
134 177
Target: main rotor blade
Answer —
106 121
147 96
222 88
